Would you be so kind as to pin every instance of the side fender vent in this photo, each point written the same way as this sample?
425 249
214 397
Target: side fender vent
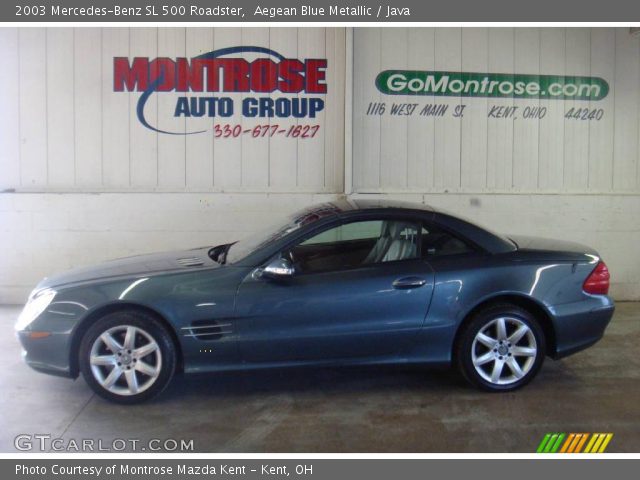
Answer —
191 262
207 330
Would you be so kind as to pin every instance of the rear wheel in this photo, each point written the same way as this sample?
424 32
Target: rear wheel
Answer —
501 349
127 357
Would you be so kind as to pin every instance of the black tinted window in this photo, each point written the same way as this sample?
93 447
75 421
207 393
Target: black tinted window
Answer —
438 242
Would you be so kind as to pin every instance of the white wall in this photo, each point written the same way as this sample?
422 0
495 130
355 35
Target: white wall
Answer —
64 128
84 182
477 154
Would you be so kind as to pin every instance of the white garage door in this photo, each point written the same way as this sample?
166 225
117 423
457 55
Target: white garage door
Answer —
75 124
470 142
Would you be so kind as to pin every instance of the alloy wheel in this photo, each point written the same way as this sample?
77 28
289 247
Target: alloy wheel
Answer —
125 360
504 350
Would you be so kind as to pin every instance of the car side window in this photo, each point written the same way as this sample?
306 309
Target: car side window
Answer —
437 242
356 244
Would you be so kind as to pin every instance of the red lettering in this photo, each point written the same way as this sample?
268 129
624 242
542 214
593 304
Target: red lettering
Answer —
164 70
134 77
220 74
289 71
235 72
315 72
190 76
264 75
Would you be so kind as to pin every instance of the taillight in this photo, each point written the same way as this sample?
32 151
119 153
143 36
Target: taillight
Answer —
597 283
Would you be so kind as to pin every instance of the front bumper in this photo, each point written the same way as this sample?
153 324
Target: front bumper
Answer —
46 354
579 325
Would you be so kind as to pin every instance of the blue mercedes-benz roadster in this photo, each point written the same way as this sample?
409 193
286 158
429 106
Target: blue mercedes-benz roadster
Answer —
344 283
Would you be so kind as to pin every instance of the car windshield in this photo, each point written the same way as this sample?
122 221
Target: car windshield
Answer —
258 240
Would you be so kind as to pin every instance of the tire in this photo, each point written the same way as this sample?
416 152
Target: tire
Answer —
127 375
488 359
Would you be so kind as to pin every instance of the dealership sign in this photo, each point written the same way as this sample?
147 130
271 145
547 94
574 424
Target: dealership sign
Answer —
270 84
496 85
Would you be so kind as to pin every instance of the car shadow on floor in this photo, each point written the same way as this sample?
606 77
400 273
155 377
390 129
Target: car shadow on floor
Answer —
311 380
364 380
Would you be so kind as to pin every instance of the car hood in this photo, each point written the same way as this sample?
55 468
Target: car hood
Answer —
550 245
137 265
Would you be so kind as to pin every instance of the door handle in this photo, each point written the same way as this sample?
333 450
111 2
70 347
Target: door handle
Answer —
408 282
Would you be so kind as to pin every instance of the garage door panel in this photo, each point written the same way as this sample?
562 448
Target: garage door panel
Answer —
115 134
32 93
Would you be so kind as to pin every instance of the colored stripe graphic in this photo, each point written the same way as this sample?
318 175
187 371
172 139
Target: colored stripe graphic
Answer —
571 439
581 442
543 443
574 442
556 445
598 442
550 443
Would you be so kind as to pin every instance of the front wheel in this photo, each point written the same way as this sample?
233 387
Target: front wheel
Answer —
127 357
501 349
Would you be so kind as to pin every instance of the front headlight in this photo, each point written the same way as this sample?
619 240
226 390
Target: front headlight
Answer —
34 307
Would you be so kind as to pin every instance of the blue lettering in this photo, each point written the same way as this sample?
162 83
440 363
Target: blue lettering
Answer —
265 107
201 106
182 108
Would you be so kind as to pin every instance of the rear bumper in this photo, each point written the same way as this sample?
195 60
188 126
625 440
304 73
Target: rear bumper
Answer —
581 324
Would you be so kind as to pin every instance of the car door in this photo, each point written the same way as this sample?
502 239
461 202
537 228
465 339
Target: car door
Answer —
356 293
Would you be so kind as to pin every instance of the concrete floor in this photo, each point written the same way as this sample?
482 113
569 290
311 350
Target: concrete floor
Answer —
343 410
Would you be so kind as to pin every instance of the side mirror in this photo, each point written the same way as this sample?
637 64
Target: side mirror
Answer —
278 268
